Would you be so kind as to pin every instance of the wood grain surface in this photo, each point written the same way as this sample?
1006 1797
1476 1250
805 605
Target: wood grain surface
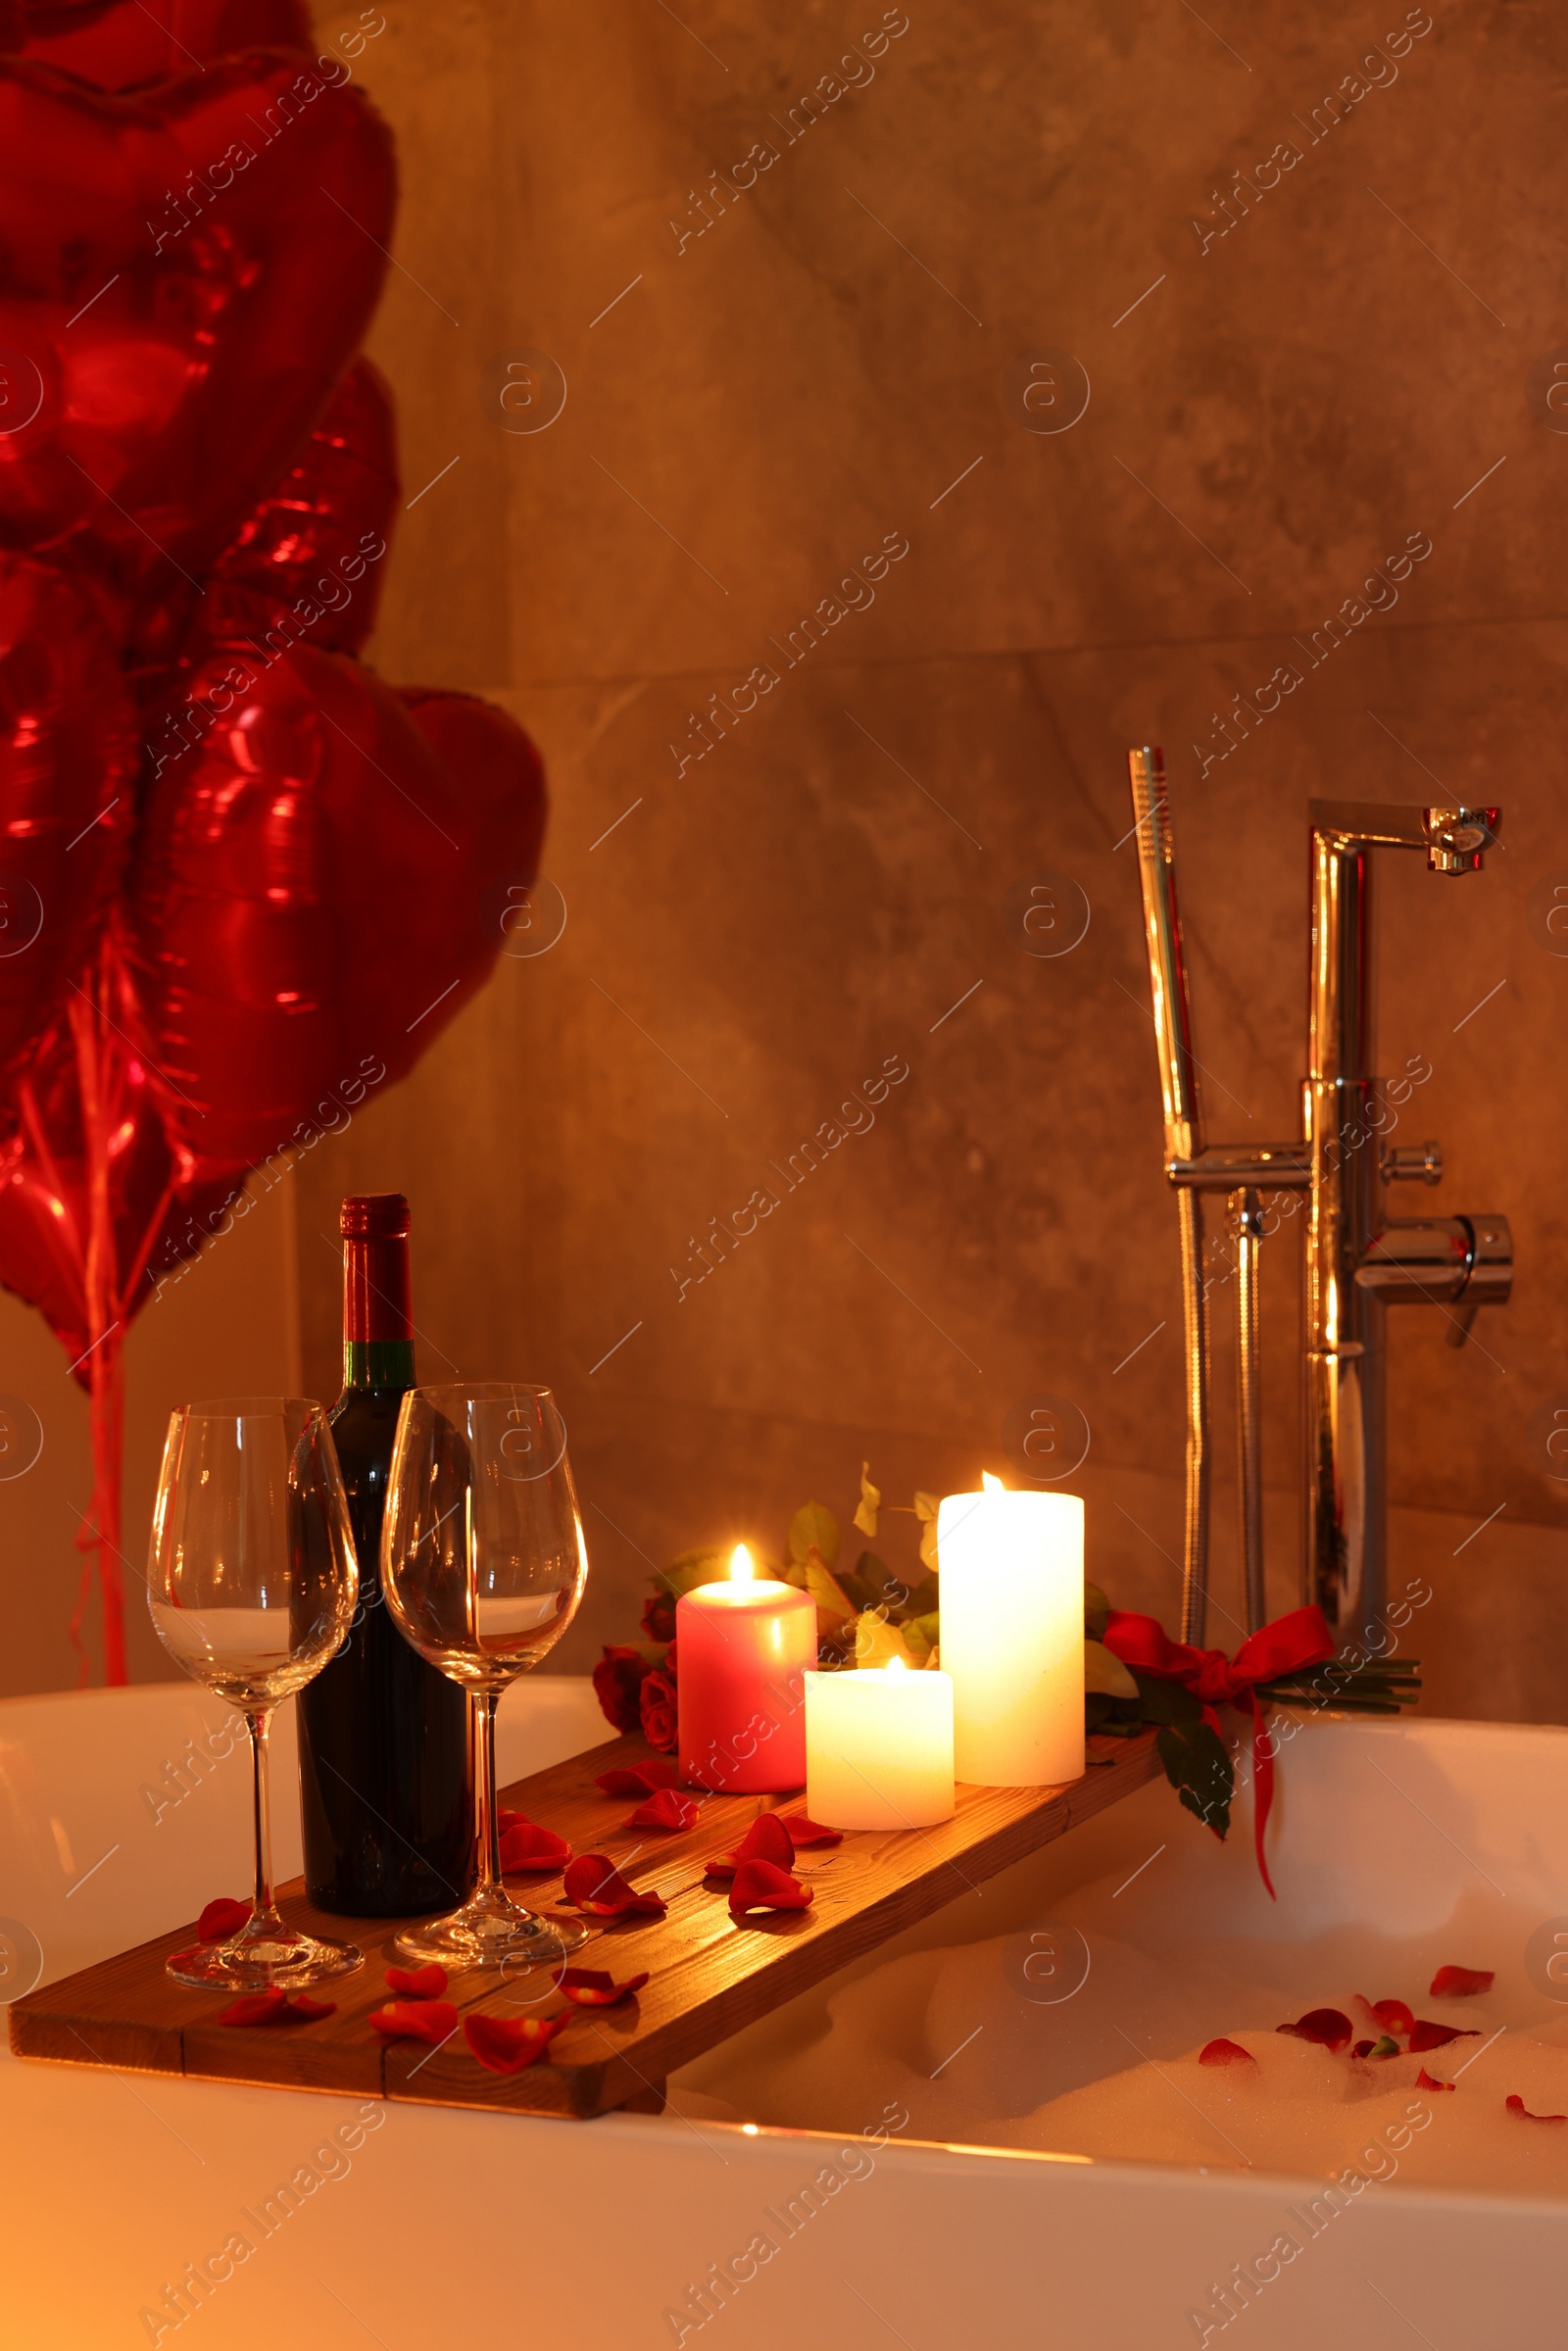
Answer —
709 1975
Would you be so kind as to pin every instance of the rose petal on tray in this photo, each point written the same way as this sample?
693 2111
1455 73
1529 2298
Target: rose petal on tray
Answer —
638 1779
1427 2035
1424 2081
256 2008
274 2006
804 1831
592 1987
595 1885
505 2045
665 1808
417 2020
526 1846
1516 2105
767 1840
220 1918
1329 2028
1225 2052
425 1983
1459 1983
762 1886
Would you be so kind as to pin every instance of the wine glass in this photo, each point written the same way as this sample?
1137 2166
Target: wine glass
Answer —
483 1565
251 1581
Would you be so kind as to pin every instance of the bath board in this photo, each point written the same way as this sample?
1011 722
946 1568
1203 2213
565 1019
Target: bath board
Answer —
709 1977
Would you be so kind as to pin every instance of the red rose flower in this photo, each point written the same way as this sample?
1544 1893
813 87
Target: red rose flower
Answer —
619 1678
657 1701
658 1617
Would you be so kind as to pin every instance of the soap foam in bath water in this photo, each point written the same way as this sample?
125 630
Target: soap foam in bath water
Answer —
976 2041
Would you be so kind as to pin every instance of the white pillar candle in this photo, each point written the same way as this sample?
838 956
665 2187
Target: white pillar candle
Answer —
879 1748
1011 1569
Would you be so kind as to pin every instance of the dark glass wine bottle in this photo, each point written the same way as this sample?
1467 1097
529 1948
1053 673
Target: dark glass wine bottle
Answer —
386 1764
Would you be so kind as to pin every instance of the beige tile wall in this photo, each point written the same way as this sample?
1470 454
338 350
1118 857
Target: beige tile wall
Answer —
837 361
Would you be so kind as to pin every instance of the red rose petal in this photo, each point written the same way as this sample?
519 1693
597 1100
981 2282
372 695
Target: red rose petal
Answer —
595 1885
426 1982
762 1886
274 2006
665 1808
222 1918
527 1847
1391 2016
767 1840
257 2007
417 2020
1458 1982
638 1779
1516 2105
1225 2052
1329 2028
1363 2048
591 1987
806 1831
1424 2081
1425 2035
505 2045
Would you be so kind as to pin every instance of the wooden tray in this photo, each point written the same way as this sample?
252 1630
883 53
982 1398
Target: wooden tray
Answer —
709 1977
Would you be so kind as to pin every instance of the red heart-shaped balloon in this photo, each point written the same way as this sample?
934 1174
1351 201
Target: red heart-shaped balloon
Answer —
187 271
311 891
316 549
130 41
161 1208
68 762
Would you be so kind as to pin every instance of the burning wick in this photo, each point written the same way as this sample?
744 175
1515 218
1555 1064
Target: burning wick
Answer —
741 1570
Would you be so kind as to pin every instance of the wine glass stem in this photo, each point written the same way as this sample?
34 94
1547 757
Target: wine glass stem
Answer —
265 1913
488 1854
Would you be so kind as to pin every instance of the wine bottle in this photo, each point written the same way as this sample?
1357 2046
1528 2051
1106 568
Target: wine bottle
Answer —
386 1763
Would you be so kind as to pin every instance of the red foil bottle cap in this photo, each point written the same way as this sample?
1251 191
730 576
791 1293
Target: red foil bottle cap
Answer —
377 1303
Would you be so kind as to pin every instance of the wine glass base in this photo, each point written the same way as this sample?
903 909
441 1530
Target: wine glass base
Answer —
512 1939
256 1963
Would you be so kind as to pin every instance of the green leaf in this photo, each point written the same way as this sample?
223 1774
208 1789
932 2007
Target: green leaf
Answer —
925 1599
915 1640
683 1575
1105 1671
1165 1701
1097 1609
1198 1766
815 1527
877 1642
833 1608
869 1503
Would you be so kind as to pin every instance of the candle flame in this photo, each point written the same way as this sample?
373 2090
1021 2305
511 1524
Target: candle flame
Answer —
741 1570
896 1665
990 1484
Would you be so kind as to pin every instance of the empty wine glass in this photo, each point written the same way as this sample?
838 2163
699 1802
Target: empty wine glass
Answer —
483 1565
252 1581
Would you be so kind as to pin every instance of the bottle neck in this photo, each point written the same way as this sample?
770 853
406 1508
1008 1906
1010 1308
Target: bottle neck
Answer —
383 1363
378 1323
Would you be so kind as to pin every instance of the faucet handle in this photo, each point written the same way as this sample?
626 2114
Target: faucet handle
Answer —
1458 837
1422 1164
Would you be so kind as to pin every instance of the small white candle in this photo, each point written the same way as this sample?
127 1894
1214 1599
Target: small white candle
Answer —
879 1748
1012 1634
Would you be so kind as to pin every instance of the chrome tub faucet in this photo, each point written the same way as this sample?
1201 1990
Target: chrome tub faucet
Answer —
1358 1262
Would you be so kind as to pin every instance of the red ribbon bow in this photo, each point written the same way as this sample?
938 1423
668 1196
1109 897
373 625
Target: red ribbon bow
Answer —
1288 1645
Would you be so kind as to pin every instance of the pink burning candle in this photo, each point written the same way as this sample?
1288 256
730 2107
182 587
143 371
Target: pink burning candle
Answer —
742 1648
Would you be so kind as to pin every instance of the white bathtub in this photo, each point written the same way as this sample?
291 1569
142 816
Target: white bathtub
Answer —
536 2232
